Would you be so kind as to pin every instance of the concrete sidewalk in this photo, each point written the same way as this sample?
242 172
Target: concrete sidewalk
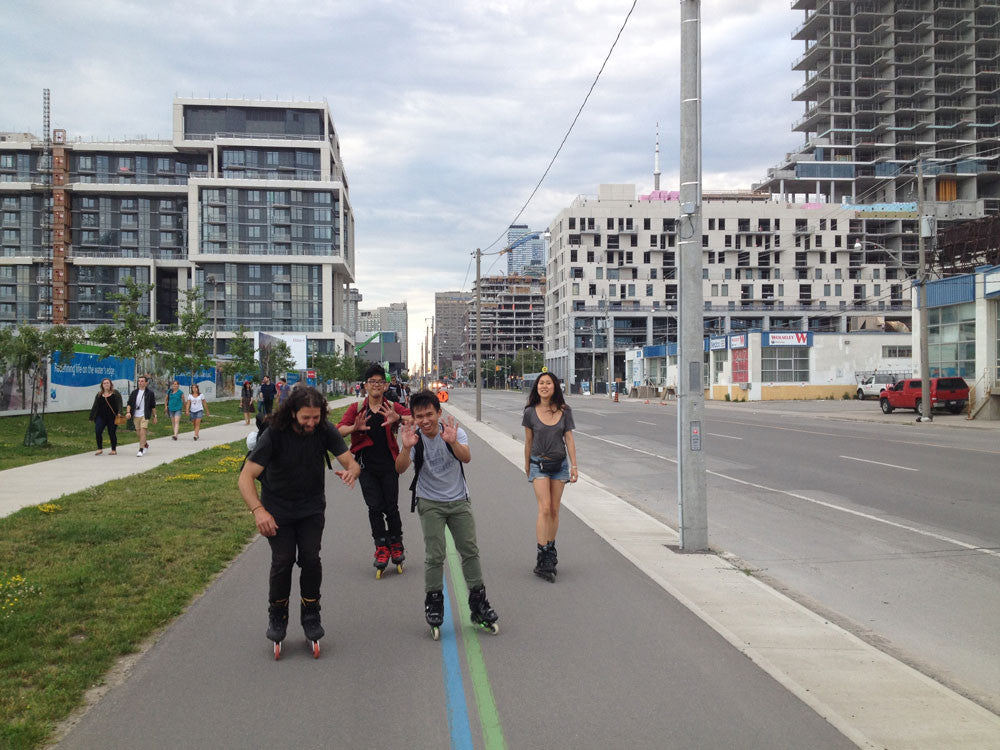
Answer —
47 481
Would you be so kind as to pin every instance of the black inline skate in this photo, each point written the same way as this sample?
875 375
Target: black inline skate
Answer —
483 615
277 624
434 612
311 624
545 566
381 557
396 553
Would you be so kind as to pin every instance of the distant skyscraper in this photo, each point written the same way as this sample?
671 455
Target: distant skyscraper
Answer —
530 253
392 317
450 314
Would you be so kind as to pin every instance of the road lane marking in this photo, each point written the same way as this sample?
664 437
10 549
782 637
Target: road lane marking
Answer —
489 719
641 422
823 503
728 437
850 436
880 463
454 690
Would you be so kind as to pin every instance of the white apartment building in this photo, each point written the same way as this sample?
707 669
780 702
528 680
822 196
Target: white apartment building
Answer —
766 266
248 203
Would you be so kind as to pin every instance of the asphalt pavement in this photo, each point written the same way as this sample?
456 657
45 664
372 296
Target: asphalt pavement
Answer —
635 645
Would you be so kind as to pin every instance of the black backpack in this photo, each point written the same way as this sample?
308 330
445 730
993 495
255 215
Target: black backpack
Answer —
418 464
263 425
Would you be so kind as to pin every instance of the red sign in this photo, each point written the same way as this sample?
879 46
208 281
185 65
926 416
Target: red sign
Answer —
741 365
310 373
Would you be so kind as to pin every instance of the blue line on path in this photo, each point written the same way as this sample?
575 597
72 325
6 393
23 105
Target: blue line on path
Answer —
458 714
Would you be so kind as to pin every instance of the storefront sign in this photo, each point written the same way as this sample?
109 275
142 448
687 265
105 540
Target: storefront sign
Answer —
738 341
796 338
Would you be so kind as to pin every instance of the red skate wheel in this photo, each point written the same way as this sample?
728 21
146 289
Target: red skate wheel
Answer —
315 649
277 650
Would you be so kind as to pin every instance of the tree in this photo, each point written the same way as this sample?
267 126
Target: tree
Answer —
276 359
242 360
28 353
188 348
527 360
132 335
327 366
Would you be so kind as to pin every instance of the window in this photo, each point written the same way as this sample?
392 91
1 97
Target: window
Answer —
784 364
163 165
897 352
649 290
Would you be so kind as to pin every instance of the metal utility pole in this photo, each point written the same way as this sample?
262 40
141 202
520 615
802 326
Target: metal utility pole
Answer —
691 495
479 336
925 367
215 313
609 332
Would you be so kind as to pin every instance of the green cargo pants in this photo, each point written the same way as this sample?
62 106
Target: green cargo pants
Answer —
435 516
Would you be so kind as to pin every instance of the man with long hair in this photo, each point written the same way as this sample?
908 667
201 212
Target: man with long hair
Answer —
289 460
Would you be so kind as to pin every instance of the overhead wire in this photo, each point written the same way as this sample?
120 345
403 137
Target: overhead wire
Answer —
571 125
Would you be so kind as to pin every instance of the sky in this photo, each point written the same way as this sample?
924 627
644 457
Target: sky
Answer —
448 111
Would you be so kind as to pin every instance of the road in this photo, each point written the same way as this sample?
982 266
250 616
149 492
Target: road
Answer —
890 529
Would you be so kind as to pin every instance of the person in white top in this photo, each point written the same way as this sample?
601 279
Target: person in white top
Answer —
197 407
141 409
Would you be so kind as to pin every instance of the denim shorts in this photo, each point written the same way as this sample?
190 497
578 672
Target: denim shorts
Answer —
197 414
171 413
535 471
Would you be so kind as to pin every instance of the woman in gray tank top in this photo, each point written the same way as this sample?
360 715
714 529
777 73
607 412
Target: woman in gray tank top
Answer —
549 462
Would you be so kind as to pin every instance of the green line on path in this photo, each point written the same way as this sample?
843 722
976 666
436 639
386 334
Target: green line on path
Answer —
489 719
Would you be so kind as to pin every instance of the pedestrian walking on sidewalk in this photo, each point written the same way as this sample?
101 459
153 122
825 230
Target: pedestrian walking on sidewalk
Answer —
141 410
176 402
267 394
372 425
549 462
107 406
439 449
197 408
289 458
246 400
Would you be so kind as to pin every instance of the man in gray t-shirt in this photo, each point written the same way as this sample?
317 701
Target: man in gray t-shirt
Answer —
438 450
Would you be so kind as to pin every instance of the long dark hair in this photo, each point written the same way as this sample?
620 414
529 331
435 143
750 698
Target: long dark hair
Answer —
247 385
306 396
557 399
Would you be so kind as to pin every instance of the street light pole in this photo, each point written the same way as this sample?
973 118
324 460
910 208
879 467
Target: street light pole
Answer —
925 367
215 313
692 501
479 336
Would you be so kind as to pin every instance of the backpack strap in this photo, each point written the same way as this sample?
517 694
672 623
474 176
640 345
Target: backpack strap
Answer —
418 464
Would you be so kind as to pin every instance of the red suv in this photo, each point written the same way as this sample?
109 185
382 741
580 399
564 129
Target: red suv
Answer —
951 393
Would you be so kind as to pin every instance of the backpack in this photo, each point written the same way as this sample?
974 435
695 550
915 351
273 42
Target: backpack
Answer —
260 431
418 464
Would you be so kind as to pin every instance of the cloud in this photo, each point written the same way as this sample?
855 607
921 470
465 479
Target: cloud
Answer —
448 112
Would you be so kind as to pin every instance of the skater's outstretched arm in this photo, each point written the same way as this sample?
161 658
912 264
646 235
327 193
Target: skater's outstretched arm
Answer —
352 469
248 490
449 433
407 439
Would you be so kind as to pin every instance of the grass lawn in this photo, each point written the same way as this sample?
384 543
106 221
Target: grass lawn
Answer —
72 432
87 580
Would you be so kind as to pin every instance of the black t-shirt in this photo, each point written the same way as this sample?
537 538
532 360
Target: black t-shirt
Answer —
295 469
377 457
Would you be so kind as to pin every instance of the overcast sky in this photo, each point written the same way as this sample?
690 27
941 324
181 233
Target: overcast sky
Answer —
448 110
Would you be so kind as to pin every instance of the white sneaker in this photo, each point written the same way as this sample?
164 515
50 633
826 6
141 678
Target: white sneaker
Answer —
140 453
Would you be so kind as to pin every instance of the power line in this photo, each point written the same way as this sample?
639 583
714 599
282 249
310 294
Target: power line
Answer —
572 124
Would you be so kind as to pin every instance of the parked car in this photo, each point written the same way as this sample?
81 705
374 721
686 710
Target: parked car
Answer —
874 384
950 393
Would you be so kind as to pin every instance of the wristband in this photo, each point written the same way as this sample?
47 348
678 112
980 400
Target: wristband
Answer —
256 508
